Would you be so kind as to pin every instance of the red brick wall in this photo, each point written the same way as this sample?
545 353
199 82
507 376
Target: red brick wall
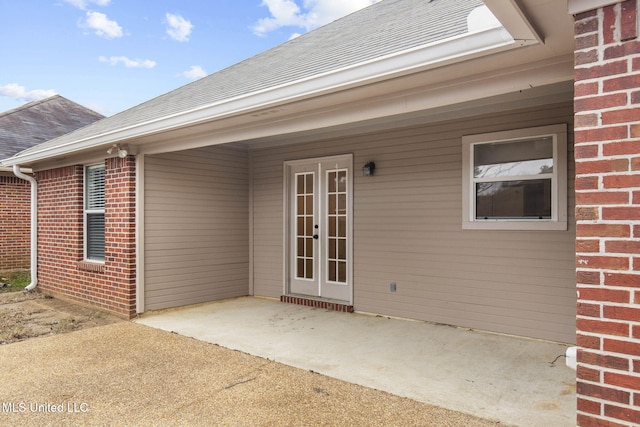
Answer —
61 266
15 211
607 138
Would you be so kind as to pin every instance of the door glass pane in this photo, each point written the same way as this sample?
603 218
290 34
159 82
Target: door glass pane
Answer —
309 180
301 247
309 246
309 269
300 267
342 272
300 205
342 226
342 181
309 205
342 249
332 204
332 226
332 248
332 271
333 177
342 203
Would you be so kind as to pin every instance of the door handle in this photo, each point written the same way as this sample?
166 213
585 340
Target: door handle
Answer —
315 236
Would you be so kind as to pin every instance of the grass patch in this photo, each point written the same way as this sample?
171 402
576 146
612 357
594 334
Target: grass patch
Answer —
16 280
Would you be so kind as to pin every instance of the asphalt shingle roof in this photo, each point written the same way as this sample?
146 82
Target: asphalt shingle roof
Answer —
384 28
39 121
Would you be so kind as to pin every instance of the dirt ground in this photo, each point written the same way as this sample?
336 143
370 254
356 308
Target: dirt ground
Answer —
25 315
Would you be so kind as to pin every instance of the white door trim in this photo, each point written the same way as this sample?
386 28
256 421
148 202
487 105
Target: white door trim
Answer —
287 252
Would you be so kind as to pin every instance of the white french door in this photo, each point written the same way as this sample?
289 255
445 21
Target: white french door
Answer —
319 227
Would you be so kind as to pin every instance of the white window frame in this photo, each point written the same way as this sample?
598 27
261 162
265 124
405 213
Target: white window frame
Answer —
88 212
558 220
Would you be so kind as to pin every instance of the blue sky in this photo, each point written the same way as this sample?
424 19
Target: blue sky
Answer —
110 55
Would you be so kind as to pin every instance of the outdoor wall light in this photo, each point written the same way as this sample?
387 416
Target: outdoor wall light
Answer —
368 168
122 153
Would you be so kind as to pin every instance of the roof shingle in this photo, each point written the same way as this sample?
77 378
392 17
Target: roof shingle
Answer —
40 121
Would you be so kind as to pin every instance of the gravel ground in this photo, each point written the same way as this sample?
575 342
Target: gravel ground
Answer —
134 375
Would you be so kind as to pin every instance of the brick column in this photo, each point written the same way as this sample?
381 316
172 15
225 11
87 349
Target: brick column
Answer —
120 233
607 152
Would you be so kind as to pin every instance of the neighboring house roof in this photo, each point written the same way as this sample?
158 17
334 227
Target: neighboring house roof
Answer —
40 121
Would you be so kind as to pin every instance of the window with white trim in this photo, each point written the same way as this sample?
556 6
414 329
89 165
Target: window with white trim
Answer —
515 180
94 212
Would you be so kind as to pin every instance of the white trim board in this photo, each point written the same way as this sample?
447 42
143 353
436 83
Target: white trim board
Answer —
579 6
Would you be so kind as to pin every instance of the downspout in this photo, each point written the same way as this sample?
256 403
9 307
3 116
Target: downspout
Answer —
34 226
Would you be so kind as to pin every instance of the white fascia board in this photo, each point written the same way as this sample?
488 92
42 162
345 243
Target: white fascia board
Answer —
454 49
578 6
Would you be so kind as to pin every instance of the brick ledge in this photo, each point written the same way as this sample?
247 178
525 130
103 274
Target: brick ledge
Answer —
95 267
317 303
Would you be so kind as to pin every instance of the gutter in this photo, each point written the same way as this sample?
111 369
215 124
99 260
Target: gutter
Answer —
34 226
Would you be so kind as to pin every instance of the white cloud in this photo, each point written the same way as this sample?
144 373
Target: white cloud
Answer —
129 63
82 4
178 28
283 13
17 92
309 15
103 26
195 72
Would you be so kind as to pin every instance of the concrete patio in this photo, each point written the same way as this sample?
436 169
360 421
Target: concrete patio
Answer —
497 377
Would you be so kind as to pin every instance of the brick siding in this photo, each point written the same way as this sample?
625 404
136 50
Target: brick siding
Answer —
61 266
607 138
15 223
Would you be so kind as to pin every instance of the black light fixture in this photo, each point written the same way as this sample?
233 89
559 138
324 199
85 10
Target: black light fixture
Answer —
368 169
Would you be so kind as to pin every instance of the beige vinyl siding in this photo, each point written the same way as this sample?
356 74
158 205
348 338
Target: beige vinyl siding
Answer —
407 229
196 226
